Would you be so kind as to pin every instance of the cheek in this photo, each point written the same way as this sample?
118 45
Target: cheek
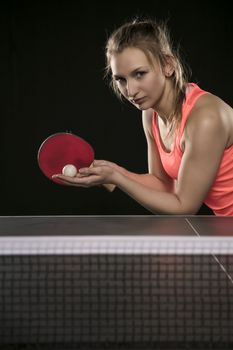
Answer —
150 86
156 84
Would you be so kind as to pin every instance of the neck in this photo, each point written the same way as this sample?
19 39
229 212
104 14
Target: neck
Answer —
165 105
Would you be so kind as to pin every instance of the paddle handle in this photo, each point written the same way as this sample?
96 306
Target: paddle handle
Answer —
109 187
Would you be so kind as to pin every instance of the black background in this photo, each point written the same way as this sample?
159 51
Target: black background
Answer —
52 65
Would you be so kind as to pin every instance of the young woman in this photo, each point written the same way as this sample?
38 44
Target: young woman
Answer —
189 131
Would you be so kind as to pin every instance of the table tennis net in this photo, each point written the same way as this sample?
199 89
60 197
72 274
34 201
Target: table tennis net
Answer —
126 299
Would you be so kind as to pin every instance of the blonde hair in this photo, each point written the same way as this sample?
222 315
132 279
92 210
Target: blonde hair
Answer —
154 40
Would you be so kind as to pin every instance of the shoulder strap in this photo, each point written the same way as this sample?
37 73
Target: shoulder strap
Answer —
189 102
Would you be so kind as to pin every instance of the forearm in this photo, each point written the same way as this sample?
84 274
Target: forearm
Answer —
155 199
150 181
154 194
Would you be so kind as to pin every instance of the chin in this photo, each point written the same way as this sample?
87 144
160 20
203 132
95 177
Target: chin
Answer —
143 107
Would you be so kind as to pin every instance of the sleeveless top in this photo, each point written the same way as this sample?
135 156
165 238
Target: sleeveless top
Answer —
220 195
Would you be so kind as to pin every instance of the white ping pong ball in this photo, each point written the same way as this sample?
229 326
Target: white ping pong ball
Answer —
69 170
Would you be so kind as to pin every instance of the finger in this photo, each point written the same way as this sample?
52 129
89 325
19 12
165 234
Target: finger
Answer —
64 178
105 163
89 171
98 162
83 181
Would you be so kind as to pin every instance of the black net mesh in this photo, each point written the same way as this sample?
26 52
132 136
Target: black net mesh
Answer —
115 302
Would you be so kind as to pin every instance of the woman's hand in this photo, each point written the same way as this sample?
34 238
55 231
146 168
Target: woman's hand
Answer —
101 172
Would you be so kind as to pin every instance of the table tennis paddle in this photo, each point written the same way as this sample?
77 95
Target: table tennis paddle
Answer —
64 148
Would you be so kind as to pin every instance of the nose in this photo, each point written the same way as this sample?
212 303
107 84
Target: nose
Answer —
132 89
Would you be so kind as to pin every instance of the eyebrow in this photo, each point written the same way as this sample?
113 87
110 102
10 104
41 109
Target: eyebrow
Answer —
131 73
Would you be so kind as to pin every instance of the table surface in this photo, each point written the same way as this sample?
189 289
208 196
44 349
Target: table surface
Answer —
145 225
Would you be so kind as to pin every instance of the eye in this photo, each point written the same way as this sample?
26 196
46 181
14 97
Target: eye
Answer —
140 74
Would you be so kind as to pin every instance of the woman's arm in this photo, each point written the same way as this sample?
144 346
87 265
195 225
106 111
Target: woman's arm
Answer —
149 180
205 140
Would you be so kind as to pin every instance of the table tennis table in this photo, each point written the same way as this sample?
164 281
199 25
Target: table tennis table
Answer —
116 282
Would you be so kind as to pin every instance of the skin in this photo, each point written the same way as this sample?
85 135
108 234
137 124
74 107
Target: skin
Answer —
210 119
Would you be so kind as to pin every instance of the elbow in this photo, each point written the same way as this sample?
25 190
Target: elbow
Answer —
183 212
186 205
189 212
187 209
177 206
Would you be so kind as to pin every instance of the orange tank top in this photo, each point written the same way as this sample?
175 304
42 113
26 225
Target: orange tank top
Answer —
220 196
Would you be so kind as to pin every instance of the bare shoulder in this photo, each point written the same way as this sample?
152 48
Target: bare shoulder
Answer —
147 116
211 114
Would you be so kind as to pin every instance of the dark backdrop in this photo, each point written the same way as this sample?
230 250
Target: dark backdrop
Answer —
52 65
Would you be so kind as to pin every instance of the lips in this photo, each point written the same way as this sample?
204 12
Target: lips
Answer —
139 101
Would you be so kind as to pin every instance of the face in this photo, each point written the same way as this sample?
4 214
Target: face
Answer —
137 80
